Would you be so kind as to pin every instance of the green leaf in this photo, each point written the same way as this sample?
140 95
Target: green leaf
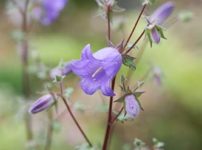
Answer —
129 61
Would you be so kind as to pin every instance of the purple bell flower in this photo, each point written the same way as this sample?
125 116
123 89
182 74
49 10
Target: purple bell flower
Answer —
132 106
97 70
157 19
51 10
42 104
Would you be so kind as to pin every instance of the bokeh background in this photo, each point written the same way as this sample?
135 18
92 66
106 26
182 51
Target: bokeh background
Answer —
173 110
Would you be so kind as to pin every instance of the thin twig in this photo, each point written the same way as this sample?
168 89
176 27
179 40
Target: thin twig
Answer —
49 132
115 118
141 35
136 23
108 24
72 115
75 120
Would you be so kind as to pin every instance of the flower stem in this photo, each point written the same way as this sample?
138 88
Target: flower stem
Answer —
108 23
138 39
25 64
136 23
115 118
49 132
72 116
109 122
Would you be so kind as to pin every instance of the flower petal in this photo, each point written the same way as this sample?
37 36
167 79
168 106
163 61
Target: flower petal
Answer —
87 53
106 89
162 13
155 35
89 86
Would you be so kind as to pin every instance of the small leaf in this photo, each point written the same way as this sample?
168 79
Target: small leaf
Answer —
129 61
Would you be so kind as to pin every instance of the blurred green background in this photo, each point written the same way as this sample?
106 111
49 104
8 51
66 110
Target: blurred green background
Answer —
173 111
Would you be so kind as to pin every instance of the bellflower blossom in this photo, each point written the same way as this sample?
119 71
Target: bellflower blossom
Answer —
132 106
157 19
97 70
51 10
42 104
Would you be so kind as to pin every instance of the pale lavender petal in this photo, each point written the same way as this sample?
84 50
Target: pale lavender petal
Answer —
131 105
106 53
89 86
42 104
83 68
52 10
162 13
155 35
67 68
106 89
86 52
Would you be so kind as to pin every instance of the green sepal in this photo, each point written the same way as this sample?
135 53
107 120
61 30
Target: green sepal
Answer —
160 31
138 94
148 33
129 61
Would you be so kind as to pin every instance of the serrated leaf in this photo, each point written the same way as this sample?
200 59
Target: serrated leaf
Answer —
129 61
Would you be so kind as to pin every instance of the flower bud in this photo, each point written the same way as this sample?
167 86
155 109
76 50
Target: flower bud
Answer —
43 103
132 106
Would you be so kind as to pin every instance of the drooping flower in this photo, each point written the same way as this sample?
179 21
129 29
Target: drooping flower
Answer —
132 106
97 70
43 103
51 10
157 19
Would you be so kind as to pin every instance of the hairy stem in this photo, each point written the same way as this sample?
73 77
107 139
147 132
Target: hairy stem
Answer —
109 121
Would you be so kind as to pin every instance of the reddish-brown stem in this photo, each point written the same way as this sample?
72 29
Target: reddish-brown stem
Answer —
108 24
109 122
136 23
75 120
138 39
